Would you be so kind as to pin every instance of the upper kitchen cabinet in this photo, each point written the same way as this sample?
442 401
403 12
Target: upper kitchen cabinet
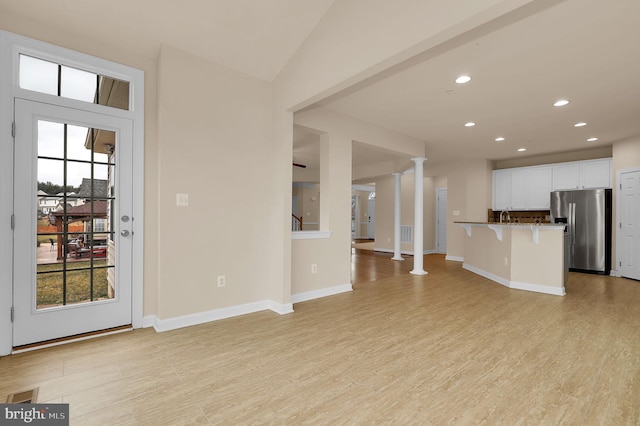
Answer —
525 188
528 188
582 174
539 182
501 189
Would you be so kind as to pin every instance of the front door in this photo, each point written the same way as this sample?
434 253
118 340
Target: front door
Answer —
72 267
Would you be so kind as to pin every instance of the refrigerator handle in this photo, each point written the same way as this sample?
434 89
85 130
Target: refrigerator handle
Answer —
572 213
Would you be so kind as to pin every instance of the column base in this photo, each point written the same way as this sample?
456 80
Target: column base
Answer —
414 272
397 258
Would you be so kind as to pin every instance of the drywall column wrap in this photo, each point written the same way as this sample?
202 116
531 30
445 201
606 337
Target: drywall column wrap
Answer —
396 219
418 218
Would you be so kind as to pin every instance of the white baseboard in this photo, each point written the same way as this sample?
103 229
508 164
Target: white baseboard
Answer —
615 273
161 325
324 292
538 288
487 275
454 258
148 321
408 253
280 308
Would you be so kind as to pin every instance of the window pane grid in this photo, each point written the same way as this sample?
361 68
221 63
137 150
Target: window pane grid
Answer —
80 224
60 80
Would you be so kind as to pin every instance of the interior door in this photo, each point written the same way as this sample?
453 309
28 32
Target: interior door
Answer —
630 225
371 223
72 267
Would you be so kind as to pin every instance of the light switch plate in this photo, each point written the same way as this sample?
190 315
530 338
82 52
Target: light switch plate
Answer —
182 200
456 212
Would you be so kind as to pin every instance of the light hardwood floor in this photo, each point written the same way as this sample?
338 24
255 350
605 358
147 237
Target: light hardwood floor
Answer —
449 347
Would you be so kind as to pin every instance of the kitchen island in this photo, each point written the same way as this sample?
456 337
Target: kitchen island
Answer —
524 256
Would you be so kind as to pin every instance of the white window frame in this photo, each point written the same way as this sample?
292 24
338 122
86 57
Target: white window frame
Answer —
11 46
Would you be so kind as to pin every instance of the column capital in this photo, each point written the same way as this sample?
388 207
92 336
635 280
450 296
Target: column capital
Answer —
419 159
397 174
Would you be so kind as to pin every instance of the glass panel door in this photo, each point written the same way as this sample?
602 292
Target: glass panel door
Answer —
75 170
72 267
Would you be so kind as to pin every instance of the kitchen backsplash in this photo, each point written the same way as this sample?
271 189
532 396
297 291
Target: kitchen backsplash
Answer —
521 216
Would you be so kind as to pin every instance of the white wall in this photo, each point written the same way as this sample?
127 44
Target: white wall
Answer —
207 149
331 255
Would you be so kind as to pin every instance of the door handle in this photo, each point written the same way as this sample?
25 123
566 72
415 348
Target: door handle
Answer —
124 233
125 218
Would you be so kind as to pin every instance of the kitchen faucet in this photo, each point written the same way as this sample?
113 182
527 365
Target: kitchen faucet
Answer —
508 216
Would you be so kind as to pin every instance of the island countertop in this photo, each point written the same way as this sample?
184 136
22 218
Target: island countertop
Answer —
546 225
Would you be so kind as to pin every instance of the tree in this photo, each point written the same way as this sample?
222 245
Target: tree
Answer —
53 188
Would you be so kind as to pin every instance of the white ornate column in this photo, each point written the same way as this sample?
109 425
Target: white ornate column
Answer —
418 218
396 219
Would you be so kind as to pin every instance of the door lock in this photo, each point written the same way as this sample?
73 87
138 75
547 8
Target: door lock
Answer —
125 218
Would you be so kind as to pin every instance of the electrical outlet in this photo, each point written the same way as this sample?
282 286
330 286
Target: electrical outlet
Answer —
222 281
506 261
314 268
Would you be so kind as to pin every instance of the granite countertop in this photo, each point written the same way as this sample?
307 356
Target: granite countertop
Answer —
512 224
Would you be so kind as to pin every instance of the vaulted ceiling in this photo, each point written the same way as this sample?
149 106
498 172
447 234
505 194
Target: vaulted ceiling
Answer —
581 50
256 37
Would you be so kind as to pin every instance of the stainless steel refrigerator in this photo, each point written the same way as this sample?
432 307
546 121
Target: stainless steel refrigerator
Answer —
587 213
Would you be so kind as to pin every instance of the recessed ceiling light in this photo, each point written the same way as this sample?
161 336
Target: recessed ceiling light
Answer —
469 124
561 102
463 79
522 149
581 124
592 139
500 139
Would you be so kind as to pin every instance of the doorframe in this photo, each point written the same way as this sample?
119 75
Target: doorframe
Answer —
355 220
11 45
615 271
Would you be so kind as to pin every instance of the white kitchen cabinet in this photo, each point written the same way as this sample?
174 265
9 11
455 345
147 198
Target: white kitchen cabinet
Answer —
596 174
524 188
539 188
566 176
528 188
501 189
519 189
582 174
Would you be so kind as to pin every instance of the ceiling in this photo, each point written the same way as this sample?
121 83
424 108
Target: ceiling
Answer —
583 50
306 150
256 37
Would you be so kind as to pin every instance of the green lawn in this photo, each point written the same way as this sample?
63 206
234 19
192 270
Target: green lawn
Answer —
78 283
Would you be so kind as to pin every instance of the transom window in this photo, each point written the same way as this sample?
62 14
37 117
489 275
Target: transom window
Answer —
48 77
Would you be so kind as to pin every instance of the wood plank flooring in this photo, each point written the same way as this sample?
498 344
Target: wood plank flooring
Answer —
449 347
